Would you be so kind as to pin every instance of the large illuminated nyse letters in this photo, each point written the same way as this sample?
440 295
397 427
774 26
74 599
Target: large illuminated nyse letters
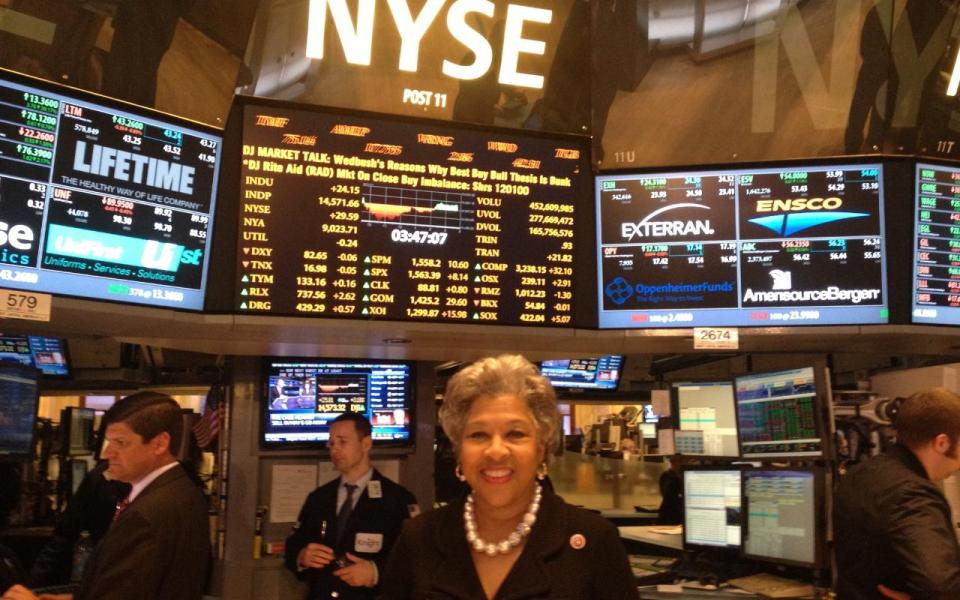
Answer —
357 36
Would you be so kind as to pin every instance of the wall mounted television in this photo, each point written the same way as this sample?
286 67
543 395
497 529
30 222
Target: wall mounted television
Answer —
771 246
300 396
47 354
600 373
19 398
379 217
936 246
102 199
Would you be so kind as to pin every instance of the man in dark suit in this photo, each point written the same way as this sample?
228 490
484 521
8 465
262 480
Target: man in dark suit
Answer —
347 527
157 547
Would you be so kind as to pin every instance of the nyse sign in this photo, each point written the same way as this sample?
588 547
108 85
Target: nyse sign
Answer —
356 35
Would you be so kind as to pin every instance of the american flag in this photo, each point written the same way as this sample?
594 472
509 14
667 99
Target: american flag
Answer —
207 428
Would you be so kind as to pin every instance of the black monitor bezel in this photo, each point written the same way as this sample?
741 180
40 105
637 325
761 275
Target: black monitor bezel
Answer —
730 551
27 372
403 447
821 381
819 515
675 409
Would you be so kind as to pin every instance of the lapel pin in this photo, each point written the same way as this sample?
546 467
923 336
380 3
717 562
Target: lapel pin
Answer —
577 541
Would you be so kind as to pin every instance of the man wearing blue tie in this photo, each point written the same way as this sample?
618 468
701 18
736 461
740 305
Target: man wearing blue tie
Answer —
346 528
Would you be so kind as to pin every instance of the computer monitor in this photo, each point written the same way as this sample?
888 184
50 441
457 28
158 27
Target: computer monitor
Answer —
708 419
302 395
648 430
778 414
784 520
601 373
19 396
712 500
76 430
648 415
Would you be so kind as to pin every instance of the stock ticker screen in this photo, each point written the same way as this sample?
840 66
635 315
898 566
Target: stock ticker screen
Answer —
102 202
936 265
760 247
359 216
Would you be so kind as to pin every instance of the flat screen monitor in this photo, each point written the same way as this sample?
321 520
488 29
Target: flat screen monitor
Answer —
772 246
101 199
648 415
648 431
778 414
602 373
357 215
936 247
711 509
47 354
784 516
76 430
78 470
19 396
708 419
302 396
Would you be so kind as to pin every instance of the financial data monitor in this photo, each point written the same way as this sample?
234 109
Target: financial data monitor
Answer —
777 414
708 419
781 516
19 395
711 508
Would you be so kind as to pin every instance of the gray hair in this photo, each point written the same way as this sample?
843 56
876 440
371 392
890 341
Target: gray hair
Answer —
497 376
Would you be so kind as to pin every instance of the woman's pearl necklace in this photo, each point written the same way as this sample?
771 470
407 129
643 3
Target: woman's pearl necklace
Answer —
513 540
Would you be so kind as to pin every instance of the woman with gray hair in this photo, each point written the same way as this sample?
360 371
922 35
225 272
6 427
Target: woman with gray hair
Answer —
509 537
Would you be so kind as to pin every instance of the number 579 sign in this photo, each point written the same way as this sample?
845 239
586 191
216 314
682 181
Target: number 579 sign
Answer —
24 305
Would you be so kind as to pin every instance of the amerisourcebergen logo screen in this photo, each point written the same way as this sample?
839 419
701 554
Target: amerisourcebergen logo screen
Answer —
742 247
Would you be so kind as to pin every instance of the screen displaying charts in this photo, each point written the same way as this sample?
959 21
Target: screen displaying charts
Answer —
762 247
101 202
777 414
936 270
302 396
47 354
359 216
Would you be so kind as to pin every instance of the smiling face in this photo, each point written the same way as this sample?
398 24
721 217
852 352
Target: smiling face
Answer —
500 451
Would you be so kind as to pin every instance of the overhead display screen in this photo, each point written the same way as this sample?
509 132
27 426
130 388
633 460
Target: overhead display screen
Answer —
936 264
303 396
601 373
359 216
101 202
761 247
47 354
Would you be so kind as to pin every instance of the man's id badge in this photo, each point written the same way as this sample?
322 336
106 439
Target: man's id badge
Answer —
374 490
368 542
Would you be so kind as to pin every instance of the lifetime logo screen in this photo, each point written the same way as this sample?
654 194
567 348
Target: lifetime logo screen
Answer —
101 202
764 247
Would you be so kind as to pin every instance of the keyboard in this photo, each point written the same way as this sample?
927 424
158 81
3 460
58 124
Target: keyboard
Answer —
773 586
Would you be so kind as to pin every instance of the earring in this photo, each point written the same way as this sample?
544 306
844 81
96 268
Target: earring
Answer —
542 471
459 473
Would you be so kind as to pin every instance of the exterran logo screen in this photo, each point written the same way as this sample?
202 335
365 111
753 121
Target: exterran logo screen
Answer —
790 246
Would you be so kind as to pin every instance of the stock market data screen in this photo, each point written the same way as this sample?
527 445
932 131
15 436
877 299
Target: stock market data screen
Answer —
102 202
936 264
346 215
760 247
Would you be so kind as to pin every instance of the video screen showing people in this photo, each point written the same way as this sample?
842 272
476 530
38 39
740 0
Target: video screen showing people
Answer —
302 398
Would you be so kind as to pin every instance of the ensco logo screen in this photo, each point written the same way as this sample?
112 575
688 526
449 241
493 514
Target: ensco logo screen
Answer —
791 246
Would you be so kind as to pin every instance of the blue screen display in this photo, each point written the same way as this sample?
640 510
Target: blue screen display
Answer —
759 247
302 397
601 373
47 354
102 202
